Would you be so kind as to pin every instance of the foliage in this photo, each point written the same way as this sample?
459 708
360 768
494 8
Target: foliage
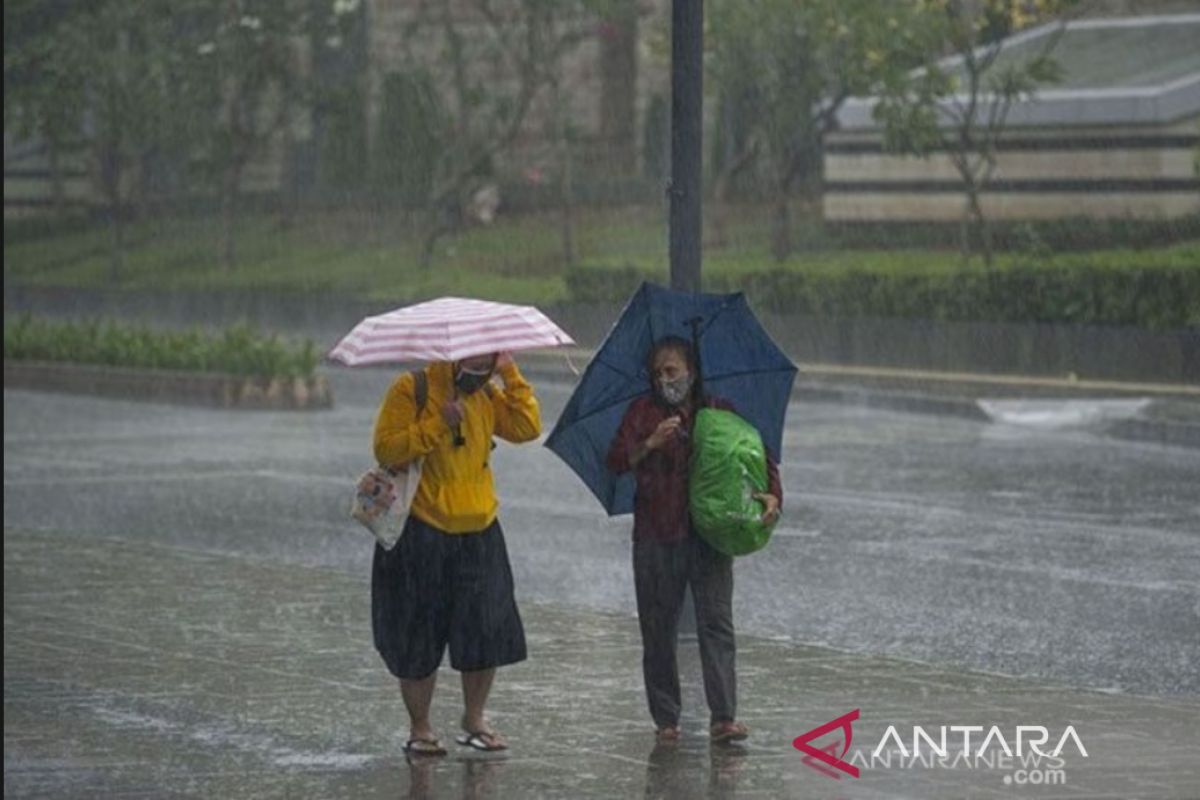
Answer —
489 64
142 82
245 78
519 259
410 136
1152 289
45 72
783 69
962 109
102 78
238 350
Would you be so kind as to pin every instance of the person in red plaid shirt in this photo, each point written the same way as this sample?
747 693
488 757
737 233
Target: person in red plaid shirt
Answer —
654 441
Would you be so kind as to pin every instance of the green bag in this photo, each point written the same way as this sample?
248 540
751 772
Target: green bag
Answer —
729 465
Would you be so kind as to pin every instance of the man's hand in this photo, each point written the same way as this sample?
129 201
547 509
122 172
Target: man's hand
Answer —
771 506
452 412
667 430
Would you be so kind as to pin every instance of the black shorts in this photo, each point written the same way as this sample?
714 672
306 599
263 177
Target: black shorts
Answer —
434 588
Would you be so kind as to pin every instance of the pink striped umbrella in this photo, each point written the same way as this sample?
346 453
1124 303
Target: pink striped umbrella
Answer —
447 329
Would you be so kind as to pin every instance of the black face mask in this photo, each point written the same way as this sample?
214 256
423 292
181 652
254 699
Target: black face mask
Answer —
471 382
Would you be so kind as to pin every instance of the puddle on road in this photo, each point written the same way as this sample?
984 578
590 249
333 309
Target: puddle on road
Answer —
1057 414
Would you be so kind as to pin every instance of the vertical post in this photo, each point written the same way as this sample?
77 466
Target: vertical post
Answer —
687 97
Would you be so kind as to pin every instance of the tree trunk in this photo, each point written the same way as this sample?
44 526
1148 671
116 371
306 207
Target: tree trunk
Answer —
964 234
230 186
985 234
110 184
618 85
288 183
436 229
116 267
722 190
566 189
977 228
781 227
58 195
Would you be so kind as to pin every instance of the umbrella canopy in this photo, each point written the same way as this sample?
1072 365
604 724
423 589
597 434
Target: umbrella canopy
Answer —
447 329
739 362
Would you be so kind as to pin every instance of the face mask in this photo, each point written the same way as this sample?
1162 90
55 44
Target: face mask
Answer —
470 382
676 391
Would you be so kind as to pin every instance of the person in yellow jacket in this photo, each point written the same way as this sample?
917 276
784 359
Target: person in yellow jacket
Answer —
448 581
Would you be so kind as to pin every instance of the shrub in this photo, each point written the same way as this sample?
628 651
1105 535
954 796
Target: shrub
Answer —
1158 289
238 350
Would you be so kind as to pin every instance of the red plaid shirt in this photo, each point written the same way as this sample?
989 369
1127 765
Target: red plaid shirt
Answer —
660 505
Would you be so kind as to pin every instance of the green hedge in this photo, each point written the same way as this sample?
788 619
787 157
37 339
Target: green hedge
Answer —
1159 295
238 350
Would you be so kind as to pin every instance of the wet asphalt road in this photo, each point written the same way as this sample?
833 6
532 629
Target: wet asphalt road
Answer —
1057 554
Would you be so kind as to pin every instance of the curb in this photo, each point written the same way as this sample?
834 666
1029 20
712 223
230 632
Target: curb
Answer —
946 394
912 402
1178 434
213 390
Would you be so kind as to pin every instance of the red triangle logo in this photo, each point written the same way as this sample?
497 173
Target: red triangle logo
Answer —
828 755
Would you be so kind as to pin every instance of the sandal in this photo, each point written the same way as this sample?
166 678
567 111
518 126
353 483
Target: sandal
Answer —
668 735
485 741
729 732
420 746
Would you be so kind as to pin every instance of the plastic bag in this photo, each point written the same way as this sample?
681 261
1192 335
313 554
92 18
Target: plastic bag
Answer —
382 499
728 466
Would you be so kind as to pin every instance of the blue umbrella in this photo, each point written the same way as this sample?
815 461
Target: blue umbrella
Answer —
739 362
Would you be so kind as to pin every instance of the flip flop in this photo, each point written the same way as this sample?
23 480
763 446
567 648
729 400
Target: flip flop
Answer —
424 747
729 732
668 735
484 741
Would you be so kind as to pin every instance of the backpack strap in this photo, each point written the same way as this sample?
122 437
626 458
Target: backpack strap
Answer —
421 389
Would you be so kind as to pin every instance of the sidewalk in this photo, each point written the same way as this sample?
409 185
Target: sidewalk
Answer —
139 671
1171 416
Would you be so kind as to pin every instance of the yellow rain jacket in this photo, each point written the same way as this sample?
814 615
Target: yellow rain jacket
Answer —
456 493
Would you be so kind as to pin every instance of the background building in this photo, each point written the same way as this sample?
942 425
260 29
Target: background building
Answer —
1117 138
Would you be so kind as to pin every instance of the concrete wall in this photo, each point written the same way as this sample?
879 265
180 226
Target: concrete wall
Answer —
1147 173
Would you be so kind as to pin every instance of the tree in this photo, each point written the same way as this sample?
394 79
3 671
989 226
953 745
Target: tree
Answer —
249 77
245 76
486 63
782 70
618 35
99 78
45 79
961 107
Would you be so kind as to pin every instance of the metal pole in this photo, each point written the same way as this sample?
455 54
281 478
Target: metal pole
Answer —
687 98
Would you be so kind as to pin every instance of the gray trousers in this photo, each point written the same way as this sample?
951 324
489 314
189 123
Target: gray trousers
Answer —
661 573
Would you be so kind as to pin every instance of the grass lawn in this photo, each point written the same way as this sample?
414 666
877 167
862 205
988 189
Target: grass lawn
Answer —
517 259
